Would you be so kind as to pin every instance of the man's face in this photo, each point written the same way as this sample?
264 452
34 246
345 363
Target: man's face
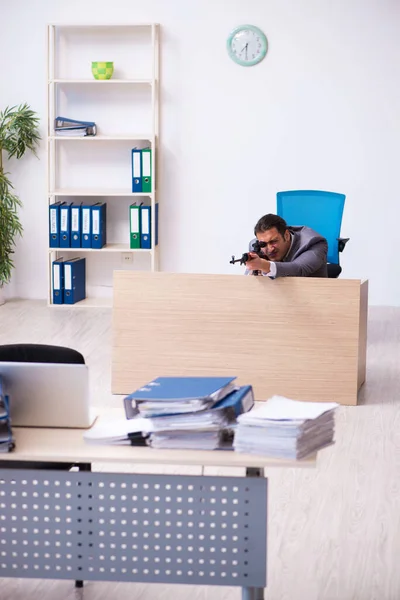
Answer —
277 245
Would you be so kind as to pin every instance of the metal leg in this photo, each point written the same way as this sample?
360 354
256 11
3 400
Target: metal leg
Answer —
252 593
247 594
254 472
82 467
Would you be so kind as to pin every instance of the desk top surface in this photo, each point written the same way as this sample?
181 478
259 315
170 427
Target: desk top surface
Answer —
68 445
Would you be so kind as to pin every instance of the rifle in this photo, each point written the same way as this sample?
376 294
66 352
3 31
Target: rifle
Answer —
246 256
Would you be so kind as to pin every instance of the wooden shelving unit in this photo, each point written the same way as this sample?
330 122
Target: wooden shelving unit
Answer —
98 168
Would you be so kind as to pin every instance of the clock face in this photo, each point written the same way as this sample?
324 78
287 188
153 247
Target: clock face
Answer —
247 45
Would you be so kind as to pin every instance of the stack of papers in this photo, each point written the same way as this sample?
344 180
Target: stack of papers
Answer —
201 430
222 414
119 431
220 439
284 428
205 428
193 440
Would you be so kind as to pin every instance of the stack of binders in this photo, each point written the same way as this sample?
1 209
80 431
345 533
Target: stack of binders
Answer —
69 280
142 171
190 412
77 225
140 226
73 128
6 438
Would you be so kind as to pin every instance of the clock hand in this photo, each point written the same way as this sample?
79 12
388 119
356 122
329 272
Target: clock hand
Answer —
244 48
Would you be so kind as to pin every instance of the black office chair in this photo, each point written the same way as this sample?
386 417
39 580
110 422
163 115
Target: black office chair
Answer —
38 353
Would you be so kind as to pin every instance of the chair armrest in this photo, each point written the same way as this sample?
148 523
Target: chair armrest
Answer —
342 243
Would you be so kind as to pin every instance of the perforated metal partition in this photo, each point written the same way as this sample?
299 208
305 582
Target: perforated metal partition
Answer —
130 527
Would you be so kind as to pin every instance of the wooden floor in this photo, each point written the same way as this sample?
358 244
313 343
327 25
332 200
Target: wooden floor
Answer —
334 532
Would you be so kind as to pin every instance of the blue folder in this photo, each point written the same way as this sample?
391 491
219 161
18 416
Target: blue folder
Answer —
182 389
74 280
65 225
86 236
61 121
145 227
238 401
54 224
156 227
136 170
99 231
234 404
58 281
76 225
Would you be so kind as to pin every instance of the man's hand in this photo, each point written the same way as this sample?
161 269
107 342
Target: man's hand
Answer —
258 264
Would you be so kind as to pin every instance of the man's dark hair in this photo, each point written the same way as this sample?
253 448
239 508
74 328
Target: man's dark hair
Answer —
268 222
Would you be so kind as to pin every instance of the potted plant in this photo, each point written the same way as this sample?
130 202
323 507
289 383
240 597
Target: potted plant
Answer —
18 133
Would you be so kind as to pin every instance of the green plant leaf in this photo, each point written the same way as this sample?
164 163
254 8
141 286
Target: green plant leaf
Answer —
19 130
18 133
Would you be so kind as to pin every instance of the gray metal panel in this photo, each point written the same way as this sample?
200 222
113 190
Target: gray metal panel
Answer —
38 524
130 527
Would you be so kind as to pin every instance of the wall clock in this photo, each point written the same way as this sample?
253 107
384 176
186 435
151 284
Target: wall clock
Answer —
247 45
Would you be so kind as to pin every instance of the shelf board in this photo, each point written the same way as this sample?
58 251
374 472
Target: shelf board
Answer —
87 303
100 26
104 81
101 138
101 192
106 248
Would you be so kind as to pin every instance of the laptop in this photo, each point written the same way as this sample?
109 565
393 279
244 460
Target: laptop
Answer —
47 394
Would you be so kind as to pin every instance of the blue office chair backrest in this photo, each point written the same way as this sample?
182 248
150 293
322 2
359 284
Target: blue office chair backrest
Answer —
322 211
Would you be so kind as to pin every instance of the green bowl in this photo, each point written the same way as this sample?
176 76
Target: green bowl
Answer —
102 70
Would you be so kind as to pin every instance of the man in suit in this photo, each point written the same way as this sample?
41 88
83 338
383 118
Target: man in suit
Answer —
290 251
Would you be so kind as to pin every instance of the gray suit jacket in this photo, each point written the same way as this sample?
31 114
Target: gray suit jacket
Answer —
307 256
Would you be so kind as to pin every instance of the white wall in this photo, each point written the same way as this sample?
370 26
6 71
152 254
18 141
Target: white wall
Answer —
320 112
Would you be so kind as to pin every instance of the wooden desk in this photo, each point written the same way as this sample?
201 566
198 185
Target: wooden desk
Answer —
108 526
68 445
304 338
